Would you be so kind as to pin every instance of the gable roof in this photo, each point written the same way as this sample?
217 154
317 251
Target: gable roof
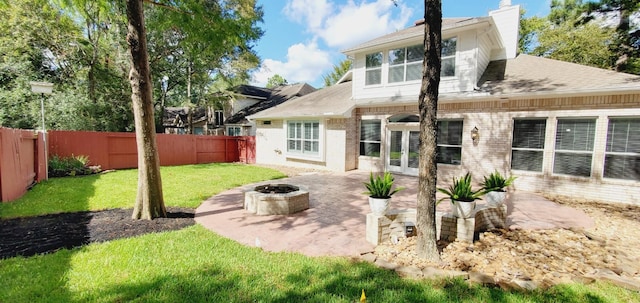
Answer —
417 31
332 101
254 92
178 116
528 75
276 96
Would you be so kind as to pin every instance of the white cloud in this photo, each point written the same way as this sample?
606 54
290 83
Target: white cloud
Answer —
351 23
311 12
304 63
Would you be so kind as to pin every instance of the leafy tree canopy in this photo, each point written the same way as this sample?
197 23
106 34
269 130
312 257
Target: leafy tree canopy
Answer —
276 80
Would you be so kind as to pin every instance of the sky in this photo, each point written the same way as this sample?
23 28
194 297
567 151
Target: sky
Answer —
303 38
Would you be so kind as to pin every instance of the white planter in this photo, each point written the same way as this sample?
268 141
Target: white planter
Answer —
379 206
495 198
462 209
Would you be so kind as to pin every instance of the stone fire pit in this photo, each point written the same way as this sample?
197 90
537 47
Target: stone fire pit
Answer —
276 199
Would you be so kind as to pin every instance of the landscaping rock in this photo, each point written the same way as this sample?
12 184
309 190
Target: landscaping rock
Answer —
432 273
625 282
385 264
368 257
409 272
481 278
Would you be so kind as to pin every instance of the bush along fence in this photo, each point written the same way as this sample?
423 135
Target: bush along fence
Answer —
22 154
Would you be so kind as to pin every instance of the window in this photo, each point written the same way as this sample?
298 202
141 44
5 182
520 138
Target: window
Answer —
448 56
622 155
405 64
218 117
303 137
370 138
198 130
234 131
449 150
527 147
373 69
574 147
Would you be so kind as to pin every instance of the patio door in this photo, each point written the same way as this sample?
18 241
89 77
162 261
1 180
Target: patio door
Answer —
403 149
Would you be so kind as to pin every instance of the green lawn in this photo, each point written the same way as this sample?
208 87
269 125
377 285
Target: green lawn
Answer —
184 186
197 265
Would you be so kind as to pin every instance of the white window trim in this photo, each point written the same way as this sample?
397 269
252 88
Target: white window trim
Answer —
320 156
606 153
404 65
455 60
579 152
379 68
541 150
450 145
380 153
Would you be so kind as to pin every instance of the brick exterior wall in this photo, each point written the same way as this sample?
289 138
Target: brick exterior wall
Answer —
494 119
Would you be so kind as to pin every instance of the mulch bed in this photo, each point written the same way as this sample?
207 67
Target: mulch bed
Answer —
44 234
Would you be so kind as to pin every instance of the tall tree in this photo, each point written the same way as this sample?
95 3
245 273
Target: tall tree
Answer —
149 200
428 104
529 28
276 80
627 44
338 71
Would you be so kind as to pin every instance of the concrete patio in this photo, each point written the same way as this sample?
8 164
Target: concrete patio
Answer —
334 225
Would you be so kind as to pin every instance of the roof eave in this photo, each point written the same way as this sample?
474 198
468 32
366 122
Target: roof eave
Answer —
446 31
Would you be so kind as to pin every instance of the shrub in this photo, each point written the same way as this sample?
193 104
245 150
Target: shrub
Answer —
496 182
71 166
461 190
380 186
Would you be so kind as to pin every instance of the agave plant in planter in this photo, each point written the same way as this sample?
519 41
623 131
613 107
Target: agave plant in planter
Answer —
380 189
463 197
494 186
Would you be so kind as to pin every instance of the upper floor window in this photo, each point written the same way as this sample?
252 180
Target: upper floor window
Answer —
448 56
622 156
373 69
449 149
527 147
405 64
574 147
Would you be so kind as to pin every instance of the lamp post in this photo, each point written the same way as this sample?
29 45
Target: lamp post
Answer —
43 88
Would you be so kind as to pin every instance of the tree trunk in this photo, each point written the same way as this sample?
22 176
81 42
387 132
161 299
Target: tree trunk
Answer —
428 103
149 201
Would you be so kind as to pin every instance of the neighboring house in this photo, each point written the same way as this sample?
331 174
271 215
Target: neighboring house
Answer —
181 120
252 99
559 127
249 100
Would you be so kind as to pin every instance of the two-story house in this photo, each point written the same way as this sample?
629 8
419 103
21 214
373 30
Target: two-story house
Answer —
559 127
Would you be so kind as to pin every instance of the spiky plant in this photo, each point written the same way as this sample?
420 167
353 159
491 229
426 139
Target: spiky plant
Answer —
496 182
461 190
380 186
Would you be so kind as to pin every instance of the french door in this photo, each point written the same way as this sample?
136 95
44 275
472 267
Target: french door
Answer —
403 149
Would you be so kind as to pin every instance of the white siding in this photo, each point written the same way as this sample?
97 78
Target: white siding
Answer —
464 80
271 146
241 103
484 54
507 20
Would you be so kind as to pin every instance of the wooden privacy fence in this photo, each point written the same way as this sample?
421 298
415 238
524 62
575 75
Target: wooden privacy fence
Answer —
118 150
22 153
22 162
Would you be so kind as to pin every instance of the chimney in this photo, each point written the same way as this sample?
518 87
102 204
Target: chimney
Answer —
507 21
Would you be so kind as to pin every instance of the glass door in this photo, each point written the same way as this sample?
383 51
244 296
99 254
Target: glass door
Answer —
403 149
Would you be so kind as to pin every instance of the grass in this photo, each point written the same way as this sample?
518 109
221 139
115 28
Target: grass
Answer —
197 265
183 186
